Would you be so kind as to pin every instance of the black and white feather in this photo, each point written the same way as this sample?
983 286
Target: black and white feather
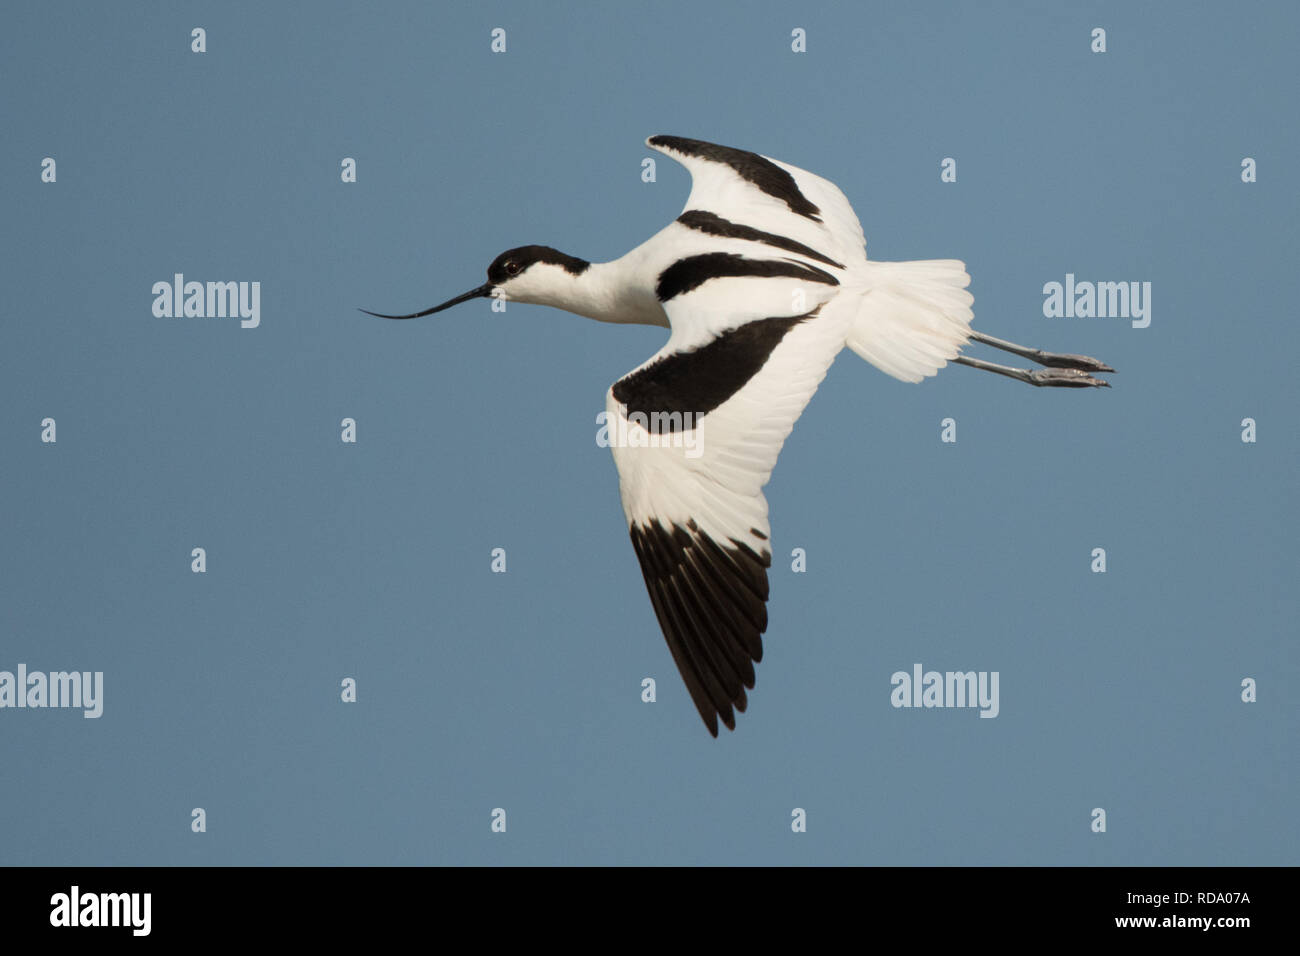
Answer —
763 279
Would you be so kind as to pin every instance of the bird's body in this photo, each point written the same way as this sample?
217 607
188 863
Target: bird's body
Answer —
762 280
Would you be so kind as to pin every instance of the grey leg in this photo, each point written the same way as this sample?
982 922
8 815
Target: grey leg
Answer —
1062 377
1062 370
1051 359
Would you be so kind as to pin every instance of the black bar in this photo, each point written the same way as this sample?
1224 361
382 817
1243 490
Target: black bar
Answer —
334 905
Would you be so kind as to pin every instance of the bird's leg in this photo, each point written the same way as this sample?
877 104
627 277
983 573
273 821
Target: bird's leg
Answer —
1067 377
1051 359
1062 370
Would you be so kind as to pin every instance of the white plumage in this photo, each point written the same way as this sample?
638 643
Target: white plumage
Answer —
763 280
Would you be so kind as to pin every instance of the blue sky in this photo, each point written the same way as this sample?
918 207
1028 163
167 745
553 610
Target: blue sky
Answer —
476 431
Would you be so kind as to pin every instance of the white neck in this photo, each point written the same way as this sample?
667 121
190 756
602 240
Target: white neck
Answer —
605 291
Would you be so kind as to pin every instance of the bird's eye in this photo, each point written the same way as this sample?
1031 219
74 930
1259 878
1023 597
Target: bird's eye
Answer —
511 267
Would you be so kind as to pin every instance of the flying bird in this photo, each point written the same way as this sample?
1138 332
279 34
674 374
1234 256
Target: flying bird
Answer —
762 280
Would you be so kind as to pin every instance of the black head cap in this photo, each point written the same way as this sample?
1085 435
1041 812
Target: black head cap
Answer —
514 261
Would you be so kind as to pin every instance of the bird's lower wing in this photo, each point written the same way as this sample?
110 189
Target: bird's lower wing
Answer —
695 433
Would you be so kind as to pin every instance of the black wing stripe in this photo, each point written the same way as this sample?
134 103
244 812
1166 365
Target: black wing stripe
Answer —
751 167
682 386
691 272
714 225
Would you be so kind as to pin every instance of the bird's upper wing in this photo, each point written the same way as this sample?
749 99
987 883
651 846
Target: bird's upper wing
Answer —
695 433
741 187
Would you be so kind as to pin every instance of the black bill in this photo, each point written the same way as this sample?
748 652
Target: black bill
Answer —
479 293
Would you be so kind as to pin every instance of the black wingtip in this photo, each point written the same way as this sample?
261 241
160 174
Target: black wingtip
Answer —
710 602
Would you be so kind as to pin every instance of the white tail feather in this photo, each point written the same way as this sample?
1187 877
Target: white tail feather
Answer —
914 317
